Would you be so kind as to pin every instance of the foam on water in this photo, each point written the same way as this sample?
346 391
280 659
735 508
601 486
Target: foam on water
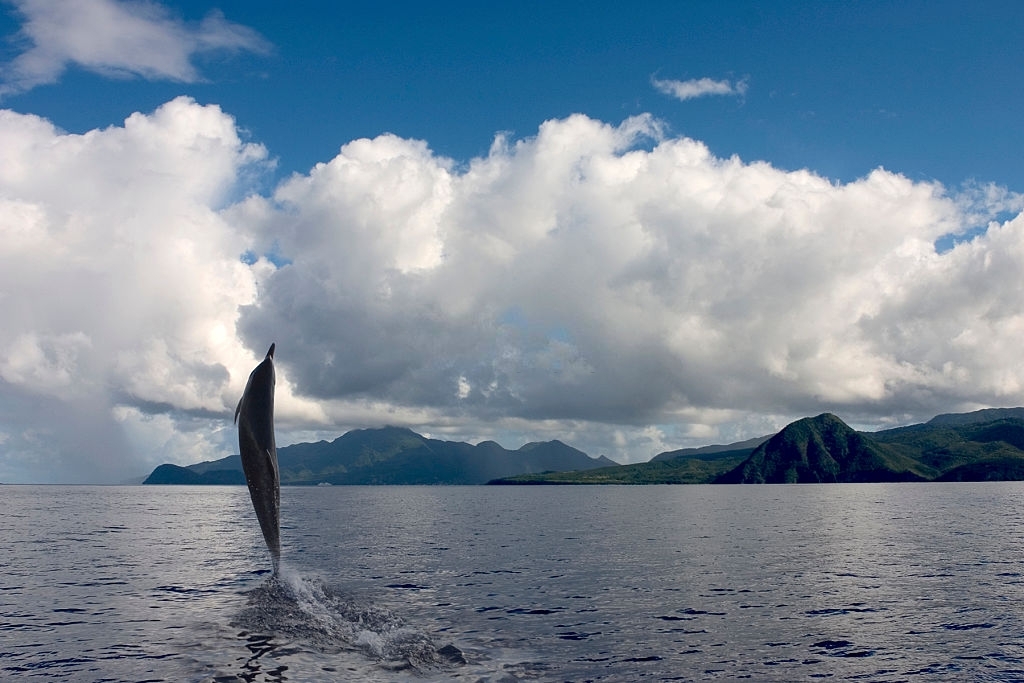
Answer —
308 612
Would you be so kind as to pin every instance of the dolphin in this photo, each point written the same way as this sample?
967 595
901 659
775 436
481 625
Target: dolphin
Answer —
255 419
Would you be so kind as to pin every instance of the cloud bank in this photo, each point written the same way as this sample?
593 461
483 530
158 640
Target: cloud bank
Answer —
623 291
116 38
698 87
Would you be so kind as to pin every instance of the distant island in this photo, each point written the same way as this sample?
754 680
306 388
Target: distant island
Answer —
986 445
390 455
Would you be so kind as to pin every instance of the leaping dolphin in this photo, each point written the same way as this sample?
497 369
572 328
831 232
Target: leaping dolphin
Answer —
255 419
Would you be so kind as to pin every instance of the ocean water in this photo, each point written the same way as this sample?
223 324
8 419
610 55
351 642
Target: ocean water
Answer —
905 582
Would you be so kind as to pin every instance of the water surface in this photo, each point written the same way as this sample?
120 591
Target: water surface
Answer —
900 582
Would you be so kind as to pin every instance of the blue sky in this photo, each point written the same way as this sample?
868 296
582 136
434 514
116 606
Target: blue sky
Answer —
631 229
923 88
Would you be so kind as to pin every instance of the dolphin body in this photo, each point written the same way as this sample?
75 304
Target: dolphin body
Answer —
255 419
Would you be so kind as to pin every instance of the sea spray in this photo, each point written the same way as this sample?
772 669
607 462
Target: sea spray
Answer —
289 607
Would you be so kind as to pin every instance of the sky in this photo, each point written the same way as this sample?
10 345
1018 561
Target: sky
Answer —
632 230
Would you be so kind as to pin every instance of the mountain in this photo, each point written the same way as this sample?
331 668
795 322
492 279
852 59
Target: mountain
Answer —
173 474
985 415
824 449
390 455
964 450
718 449
684 466
692 470
985 445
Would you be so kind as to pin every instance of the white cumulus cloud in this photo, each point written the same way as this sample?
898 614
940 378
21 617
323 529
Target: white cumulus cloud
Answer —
121 38
624 291
120 281
581 278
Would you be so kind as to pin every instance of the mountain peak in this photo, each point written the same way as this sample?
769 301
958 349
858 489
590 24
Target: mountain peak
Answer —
390 455
821 449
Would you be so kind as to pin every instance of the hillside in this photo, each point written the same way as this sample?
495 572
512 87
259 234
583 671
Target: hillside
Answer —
824 449
986 445
961 450
702 469
710 452
978 416
390 455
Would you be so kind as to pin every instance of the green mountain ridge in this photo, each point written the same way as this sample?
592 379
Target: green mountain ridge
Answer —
390 455
986 445
824 449
719 450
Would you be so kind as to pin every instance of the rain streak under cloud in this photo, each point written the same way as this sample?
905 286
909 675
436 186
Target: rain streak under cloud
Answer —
607 284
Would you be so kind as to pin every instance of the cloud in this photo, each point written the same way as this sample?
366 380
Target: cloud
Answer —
699 87
116 38
579 278
120 281
604 284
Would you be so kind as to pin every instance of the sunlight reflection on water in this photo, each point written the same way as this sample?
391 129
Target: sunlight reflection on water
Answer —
874 582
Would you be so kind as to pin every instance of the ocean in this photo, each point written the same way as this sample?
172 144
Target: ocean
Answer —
866 582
